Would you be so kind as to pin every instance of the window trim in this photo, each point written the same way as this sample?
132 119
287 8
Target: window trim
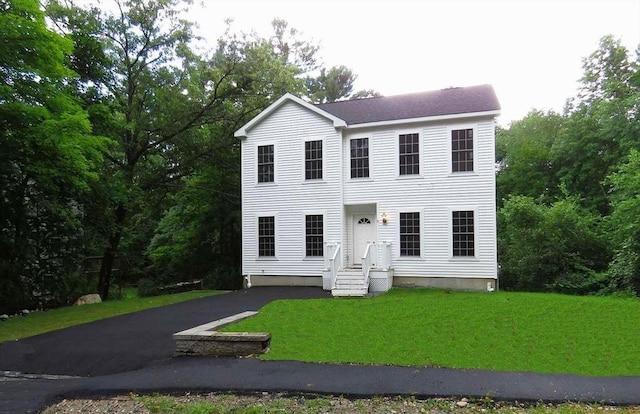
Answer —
305 214
420 153
474 209
369 158
275 239
304 160
420 234
450 129
275 163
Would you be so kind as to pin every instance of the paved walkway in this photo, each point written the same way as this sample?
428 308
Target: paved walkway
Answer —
100 353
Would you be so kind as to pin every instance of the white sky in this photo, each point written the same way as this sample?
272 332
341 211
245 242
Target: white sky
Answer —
530 51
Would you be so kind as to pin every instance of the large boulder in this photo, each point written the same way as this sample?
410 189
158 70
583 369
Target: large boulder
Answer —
87 299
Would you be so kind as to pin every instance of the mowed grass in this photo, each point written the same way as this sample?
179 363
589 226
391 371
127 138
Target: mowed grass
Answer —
41 322
544 333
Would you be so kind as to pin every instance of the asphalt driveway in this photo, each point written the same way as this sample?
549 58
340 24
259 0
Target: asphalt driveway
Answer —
133 341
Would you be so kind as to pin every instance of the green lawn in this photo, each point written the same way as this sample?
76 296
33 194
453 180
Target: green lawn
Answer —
41 322
501 331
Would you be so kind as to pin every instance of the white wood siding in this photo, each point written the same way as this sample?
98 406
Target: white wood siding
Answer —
435 193
291 197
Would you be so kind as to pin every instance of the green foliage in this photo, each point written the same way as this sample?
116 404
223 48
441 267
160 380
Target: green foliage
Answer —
335 84
601 125
549 248
526 165
48 160
624 227
147 287
419 327
582 170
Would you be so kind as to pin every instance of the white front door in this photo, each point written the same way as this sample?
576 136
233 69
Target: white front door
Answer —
364 232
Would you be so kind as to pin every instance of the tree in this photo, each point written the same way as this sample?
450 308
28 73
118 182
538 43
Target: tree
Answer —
526 165
601 124
48 159
335 84
154 98
624 228
201 232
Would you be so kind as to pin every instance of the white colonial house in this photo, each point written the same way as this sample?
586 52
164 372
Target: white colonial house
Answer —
358 196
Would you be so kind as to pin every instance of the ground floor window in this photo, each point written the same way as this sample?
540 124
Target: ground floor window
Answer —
314 239
409 234
266 236
463 234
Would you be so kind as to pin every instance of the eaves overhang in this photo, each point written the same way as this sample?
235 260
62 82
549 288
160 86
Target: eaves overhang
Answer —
425 119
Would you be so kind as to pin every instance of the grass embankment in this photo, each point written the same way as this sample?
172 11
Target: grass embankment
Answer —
41 322
502 331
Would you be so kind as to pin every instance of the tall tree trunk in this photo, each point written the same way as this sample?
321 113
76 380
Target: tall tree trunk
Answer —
108 258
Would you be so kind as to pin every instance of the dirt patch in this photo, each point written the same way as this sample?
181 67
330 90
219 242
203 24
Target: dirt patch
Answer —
282 403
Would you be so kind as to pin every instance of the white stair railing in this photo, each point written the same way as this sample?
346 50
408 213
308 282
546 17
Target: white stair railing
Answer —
384 249
333 260
369 261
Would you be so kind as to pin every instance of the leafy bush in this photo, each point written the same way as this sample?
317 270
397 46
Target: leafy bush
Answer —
549 248
147 287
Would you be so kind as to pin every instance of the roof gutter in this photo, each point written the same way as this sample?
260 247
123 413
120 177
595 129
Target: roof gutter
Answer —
425 119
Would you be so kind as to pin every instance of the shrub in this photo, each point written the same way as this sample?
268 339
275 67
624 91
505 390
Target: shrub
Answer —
549 248
147 287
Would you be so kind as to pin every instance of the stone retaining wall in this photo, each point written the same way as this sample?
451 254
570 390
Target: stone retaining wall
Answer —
206 340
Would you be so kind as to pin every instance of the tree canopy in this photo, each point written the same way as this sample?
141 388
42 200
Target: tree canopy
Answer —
582 163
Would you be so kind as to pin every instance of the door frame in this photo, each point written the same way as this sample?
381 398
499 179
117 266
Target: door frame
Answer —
355 217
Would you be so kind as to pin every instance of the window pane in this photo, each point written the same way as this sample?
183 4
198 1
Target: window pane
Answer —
314 235
265 164
410 234
409 151
463 233
266 236
462 150
360 157
313 160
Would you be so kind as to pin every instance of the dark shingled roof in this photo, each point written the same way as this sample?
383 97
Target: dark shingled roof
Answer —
448 101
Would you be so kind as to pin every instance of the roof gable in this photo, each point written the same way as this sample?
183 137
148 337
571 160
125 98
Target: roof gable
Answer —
450 101
243 131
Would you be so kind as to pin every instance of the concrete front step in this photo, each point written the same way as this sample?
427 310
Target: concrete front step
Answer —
349 292
350 282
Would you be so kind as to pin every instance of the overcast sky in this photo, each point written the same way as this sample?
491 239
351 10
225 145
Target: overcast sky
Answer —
530 51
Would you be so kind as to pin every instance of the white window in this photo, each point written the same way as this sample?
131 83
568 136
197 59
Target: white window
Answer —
266 164
359 157
314 235
410 234
463 226
313 160
267 236
462 150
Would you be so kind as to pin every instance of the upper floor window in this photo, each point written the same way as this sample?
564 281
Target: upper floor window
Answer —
267 236
314 235
462 150
410 234
266 165
313 160
409 151
359 157
463 234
